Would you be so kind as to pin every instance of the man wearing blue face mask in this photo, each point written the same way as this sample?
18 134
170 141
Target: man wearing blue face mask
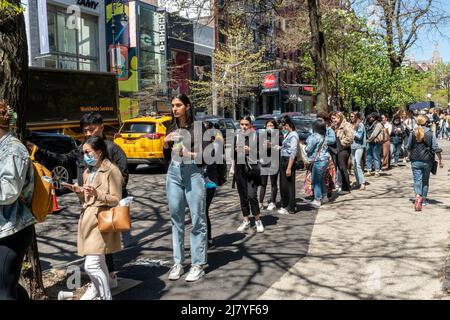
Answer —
92 125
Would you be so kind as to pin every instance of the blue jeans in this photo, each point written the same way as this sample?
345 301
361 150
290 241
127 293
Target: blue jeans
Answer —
373 156
357 165
395 152
317 177
421 175
185 183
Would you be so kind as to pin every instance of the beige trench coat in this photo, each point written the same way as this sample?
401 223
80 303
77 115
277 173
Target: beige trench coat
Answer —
108 183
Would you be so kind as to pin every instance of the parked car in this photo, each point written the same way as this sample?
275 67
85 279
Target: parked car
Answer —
303 126
142 140
261 120
224 123
58 143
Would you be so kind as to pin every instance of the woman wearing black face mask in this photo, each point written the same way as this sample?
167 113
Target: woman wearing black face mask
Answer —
247 180
398 133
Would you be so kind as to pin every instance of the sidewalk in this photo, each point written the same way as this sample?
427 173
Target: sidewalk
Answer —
372 244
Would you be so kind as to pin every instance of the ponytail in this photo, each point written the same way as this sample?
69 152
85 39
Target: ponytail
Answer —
420 134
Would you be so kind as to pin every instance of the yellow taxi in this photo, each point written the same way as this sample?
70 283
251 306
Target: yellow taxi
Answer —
142 140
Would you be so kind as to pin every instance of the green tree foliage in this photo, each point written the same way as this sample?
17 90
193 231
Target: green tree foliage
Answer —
237 68
359 66
9 8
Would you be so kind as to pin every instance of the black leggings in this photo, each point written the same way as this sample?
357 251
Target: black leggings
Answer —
248 196
209 197
273 191
342 158
287 186
12 252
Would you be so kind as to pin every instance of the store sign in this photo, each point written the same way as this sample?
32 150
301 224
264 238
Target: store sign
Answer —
270 82
162 33
293 93
88 4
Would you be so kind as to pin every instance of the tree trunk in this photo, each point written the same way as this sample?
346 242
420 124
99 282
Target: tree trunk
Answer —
13 89
318 54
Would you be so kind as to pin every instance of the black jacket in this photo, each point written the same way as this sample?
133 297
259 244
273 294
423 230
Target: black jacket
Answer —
115 153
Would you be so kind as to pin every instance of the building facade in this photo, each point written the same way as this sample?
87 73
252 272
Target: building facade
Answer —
66 34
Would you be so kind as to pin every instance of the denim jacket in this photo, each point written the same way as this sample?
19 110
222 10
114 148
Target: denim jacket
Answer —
313 144
331 136
359 140
290 145
16 178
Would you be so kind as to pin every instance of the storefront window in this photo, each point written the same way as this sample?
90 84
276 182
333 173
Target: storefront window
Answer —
74 49
180 63
152 61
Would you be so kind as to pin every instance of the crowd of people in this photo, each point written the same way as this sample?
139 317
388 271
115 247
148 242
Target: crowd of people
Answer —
336 147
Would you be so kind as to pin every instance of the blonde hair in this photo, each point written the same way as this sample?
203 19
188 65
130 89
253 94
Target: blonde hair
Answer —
420 131
338 115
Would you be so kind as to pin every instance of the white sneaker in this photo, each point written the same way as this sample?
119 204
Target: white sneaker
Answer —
91 293
259 226
195 273
244 226
113 282
176 271
315 204
271 206
325 200
283 211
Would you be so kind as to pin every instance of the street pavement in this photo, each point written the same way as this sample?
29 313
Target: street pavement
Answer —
373 245
369 244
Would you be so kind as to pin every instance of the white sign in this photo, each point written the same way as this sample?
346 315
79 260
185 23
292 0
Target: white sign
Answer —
132 21
162 33
43 26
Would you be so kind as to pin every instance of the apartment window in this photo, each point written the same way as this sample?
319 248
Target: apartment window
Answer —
75 49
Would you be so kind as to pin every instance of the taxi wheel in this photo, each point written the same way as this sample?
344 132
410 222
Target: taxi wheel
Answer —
132 167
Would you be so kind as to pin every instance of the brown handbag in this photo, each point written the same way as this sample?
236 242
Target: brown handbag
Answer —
116 219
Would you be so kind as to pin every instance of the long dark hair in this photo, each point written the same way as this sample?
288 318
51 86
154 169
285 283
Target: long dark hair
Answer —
272 121
247 118
98 144
287 120
189 113
320 127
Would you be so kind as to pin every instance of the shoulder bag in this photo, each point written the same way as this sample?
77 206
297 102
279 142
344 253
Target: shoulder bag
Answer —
116 219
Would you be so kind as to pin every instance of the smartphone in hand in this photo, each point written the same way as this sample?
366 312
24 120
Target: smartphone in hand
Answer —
72 187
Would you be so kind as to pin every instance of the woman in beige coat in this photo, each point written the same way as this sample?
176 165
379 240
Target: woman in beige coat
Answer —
102 190
345 135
